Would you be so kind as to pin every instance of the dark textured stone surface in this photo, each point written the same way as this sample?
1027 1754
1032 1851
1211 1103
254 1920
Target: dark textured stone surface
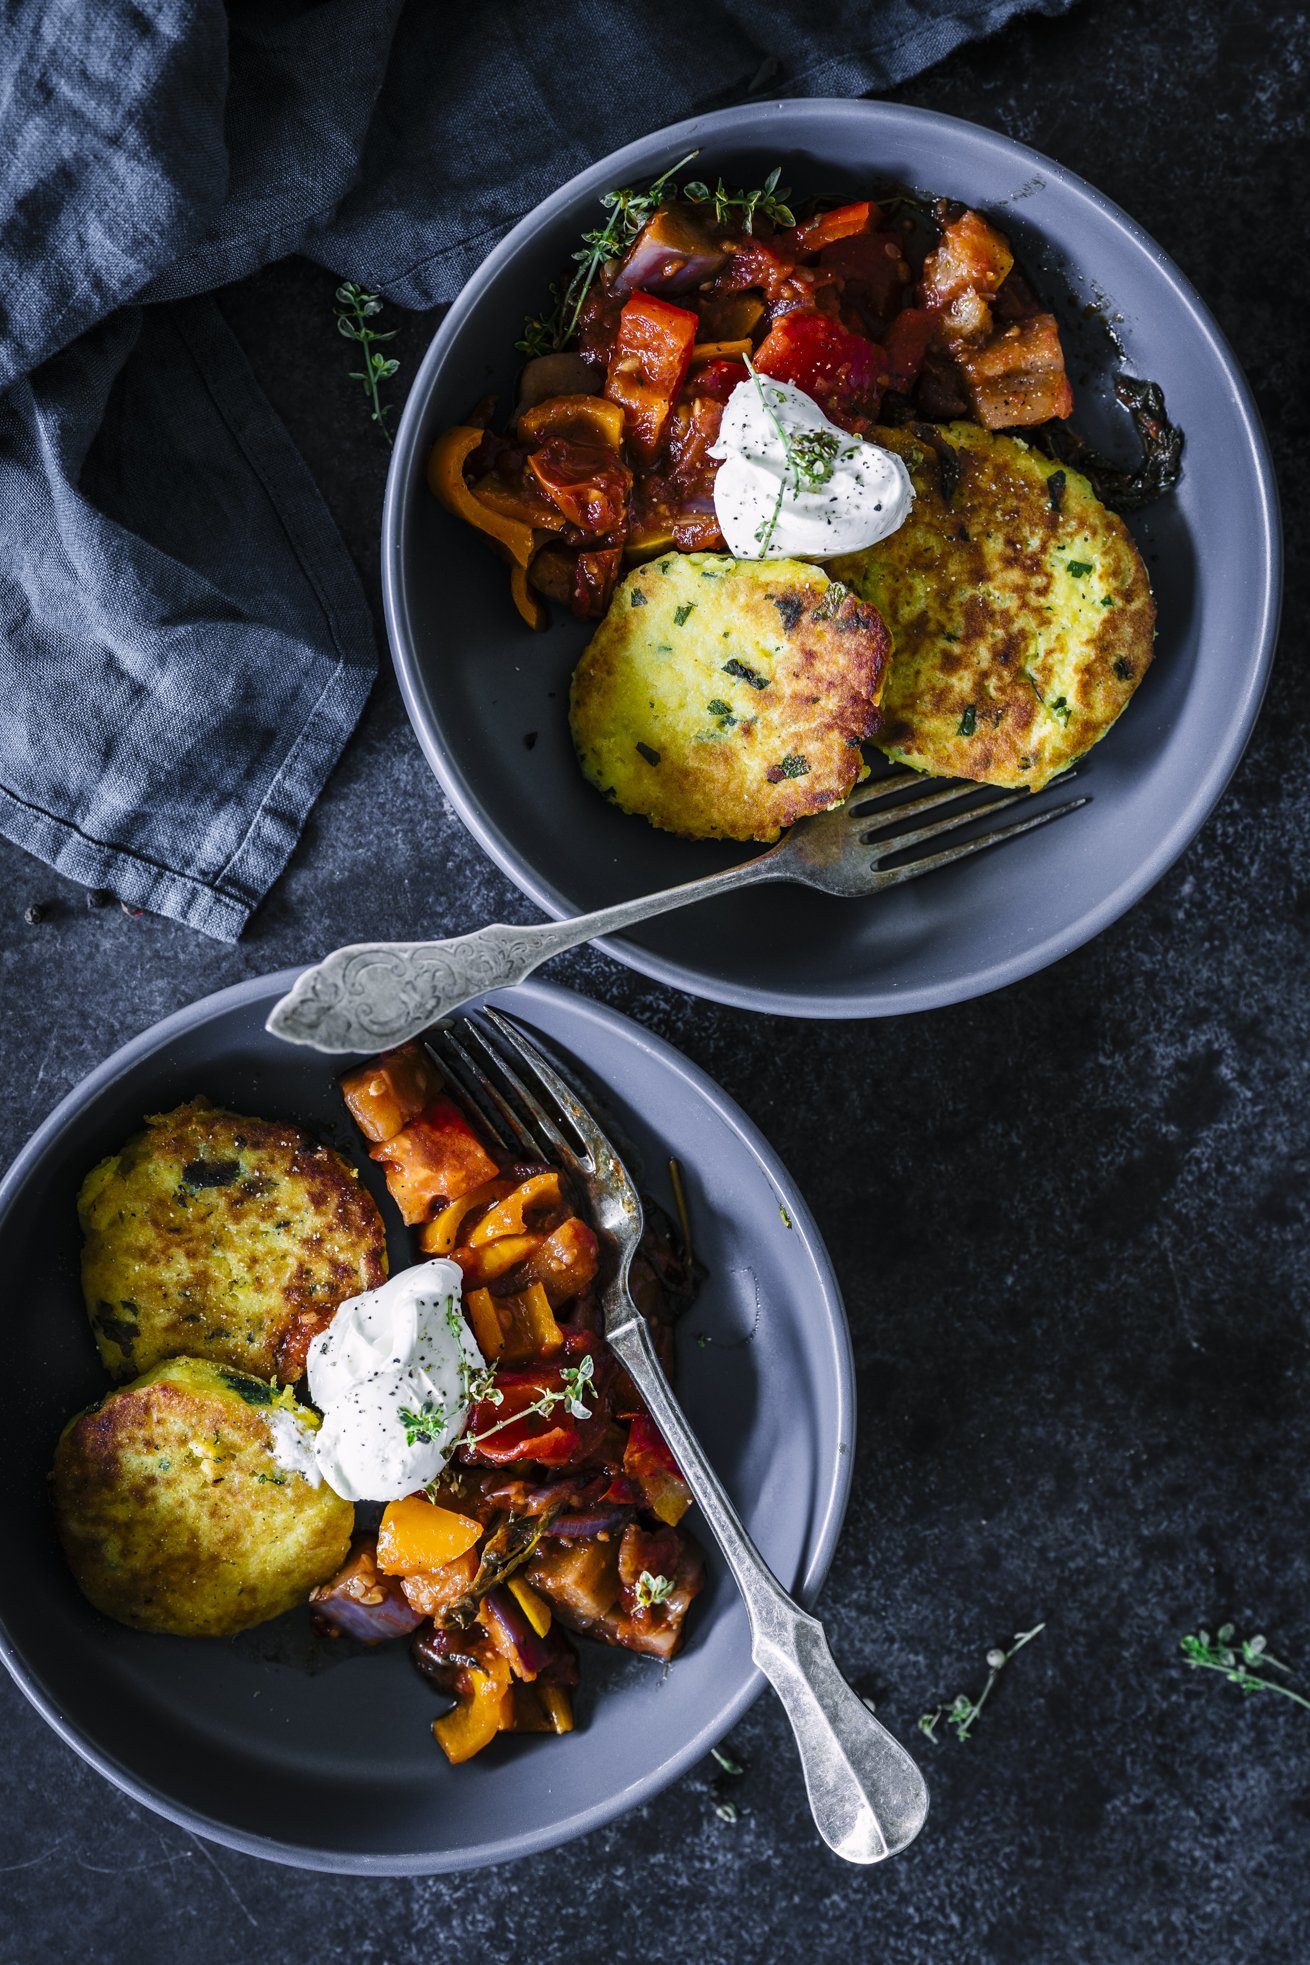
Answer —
1070 1221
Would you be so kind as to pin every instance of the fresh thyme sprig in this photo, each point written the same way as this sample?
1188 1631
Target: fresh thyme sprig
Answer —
963 1712
744 207
653 1589
626 212
1241 1660
575 1384
424 1426
355 310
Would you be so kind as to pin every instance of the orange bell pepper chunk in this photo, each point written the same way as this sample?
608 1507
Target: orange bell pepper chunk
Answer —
435 1157
528 602
537 1191
446 462
652 353
415 1534
513 1329
828 227
385 1094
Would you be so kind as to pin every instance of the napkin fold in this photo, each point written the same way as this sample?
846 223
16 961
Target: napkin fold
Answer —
184 643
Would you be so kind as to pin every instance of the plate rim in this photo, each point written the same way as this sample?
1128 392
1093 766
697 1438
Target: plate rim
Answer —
50 1134
404 482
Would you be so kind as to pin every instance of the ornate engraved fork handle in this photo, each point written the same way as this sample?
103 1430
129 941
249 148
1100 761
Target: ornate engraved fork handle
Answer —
374 994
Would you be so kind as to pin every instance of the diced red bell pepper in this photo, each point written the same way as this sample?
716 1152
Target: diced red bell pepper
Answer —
649 1463
555 1438
809 238
652 353
907 343
588 483
437 1156
845 373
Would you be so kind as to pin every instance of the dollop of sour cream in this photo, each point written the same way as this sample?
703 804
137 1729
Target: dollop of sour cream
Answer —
792 485
292 1442
391 1376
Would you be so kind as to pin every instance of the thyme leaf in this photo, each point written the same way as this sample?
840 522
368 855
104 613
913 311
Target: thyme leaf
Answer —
1243 1661
355 310
962 1713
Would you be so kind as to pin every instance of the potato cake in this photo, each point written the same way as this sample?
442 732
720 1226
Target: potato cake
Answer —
218 1236
725 699
183 1506
1020 611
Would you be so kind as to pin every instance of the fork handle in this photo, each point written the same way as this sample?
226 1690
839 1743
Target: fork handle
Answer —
375 994
868 1798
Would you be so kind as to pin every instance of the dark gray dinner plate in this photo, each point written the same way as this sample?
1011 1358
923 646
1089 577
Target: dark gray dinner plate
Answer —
489 699
319 1753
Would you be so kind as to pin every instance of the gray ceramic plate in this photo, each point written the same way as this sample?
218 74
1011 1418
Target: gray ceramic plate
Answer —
289 1747
479 685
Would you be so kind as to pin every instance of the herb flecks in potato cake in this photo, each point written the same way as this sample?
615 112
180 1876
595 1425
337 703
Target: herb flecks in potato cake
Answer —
180 1508
725 699
1020 611
219 1236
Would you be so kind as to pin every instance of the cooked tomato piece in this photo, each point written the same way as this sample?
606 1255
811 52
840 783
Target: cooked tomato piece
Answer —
588 483
436 1157
844 372
718 379
652 353
907 342
595 576
874 273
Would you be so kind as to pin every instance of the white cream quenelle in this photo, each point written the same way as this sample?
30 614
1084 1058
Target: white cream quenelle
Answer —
391 1375
792 485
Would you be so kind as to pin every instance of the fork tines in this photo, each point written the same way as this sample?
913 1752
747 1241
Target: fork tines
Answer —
513 1094
881 828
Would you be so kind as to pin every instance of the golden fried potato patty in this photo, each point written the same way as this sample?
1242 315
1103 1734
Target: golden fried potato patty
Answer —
177 1514
218 1236
725 699
1020 611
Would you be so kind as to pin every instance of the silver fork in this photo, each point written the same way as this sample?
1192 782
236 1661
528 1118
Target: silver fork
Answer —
868 1798
374 994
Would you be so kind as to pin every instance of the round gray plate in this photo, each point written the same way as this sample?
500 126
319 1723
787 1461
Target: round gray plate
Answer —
321 1755
477 683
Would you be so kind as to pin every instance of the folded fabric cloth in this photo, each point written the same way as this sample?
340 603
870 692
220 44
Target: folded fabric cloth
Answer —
184 646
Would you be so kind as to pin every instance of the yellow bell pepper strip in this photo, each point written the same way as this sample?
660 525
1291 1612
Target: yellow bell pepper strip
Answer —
652 353
476 1720
510 535
529 604
415 1535
586 419
719 351
534 1607
538 1191
491 1259
437 1237
480 1309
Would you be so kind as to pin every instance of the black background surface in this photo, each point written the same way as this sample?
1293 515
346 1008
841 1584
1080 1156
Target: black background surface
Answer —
1069 1220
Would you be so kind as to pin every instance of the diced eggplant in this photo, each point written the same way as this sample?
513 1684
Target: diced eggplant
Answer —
361 1602
671 254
